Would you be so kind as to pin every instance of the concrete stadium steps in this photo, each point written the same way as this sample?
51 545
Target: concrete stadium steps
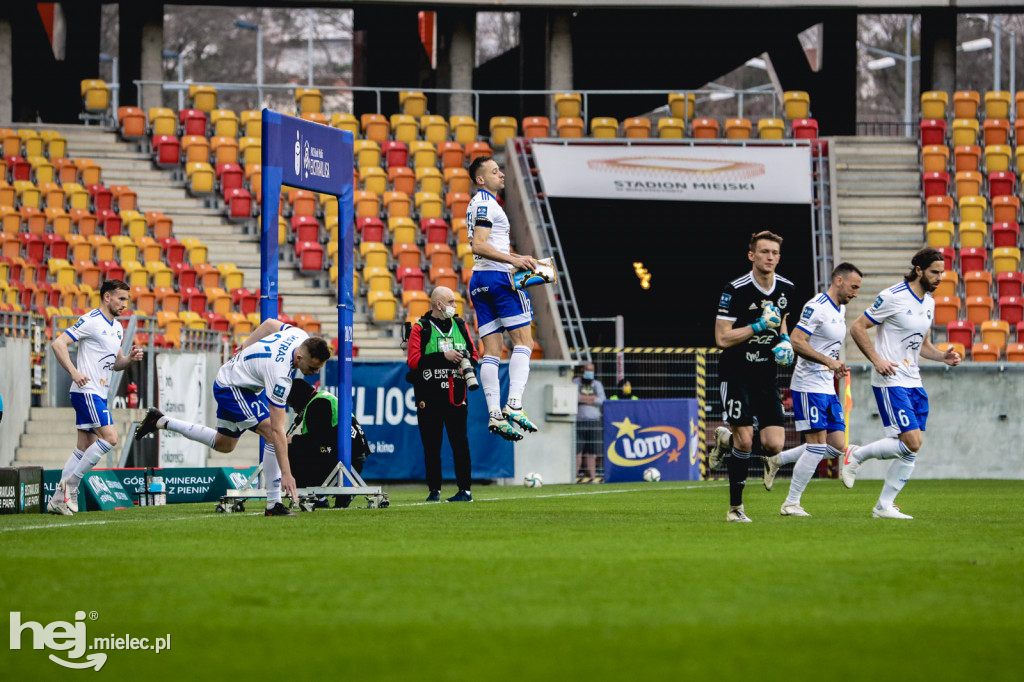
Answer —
879 213
50 435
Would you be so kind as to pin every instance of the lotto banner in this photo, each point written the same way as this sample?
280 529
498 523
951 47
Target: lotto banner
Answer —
385 406
651 433
676 172
181 383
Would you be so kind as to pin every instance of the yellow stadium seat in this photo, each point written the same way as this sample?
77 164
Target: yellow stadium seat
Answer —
162 121
997 104
31 142
404 128
412 103
422 154
308 100
934 104
251 122
604 126
1005 259
965 131
204 97
230 276
434 129
200 178
771 128
366 152
681 105
195 249
796 104
402 230
54 143
671 128
224 123
95 96
374 179
429 179
939 234
502 128
972 208
972 234
251 150
384 307
568 105
346 122
464 129
429 205
997 157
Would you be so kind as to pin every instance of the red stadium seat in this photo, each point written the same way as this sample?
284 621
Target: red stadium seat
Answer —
185 275
960 331
111 269
371 229
1001 183
804 129
973 259
935 183
230 176
949 255
193 122
1005 234
166 151
1009 284
310 256
410 278
1011 309
239 203
395 153
933 131
193 298
435 230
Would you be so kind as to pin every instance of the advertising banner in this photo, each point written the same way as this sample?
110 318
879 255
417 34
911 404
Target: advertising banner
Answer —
384 404
651 433
754 174
203 484
181 382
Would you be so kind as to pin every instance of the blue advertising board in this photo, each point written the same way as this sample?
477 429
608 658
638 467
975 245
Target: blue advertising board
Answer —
385 406
651 433
316 157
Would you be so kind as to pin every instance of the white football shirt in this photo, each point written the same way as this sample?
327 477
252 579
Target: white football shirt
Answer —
825 323
904 321
484 206
99 343
265 365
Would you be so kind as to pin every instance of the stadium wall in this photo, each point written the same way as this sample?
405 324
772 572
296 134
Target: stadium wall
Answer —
15 387
975 425
552 451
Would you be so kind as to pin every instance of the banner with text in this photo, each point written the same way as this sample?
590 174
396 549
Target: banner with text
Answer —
651 433
385 406
666 172
181 382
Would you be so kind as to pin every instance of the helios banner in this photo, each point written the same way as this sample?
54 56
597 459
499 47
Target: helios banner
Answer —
677 172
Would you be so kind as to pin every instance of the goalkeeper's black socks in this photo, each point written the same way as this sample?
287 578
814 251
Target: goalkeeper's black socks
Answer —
737 463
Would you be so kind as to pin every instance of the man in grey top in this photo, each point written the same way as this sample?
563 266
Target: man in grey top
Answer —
588 420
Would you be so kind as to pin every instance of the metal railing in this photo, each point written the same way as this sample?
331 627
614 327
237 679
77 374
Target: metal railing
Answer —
887 128
702 95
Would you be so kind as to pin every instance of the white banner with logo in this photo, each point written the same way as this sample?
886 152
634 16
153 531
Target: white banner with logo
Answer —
181 382
754 174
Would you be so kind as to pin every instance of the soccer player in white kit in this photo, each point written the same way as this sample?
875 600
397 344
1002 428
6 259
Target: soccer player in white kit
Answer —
498 304
903 314
251 391
98 335
818 341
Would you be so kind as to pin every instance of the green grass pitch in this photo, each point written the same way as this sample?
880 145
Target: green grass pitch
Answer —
611 582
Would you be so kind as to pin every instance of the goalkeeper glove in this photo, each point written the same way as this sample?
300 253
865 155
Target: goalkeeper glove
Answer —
770 319
783 352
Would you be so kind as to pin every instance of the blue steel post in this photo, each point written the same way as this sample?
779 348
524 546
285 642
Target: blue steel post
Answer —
271 188
346 305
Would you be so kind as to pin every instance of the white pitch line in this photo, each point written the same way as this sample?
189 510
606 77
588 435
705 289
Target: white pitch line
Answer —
406 504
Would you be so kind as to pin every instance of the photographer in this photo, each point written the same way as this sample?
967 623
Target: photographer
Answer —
313 450
441 357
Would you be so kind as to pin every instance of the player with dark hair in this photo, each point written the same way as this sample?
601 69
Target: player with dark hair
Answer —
818 341
98 335
498 303
903 314
751 330
252 390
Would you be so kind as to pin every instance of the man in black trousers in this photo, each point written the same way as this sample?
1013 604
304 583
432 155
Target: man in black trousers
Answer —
438 343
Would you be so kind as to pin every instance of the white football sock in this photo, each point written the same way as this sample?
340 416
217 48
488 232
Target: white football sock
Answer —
884 448
791 455
272 475
197 432
89 459
895 478
832 453
489 382
71 464
803 472
518 375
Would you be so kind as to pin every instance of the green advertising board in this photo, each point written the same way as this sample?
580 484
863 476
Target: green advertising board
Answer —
197 484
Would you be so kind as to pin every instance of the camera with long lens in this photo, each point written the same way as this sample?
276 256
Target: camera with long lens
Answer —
468 375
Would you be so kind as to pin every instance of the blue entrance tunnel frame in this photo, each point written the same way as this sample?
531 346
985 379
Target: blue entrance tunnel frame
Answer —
318 158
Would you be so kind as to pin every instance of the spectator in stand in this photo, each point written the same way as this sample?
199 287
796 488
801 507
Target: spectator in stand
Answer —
588 421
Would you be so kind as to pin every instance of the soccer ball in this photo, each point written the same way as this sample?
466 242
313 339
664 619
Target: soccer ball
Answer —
533 480
652 475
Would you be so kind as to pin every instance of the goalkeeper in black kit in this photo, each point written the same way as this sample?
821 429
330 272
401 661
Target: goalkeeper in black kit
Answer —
751 330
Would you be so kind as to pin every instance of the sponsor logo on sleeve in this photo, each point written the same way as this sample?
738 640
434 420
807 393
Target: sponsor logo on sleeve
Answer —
725 300
481 211
877 304
279 392
808 311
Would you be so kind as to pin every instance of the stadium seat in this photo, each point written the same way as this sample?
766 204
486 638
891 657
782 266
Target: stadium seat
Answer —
961 332
995 333
308 100
131 122
310 256
939 233
637 127
737 129
502 128
1011 309
444 277
1005 234
88 172
57 221
997 104
933 131
439 255
939 208
308 323
162 121
166 151
682 105
397 204
604 126
224 150
934 104
402 230
964 131
303 202
367 153
125 247
412 103
434 129
434 229
973 259
193 122
983 352
224 123
997 157
569 127
410 278
416 304
966 103
947 309
476 149
1010 284
108 221
948 283
464 129
1005 259
671 128
804 129
1001 183
404 128
239 202
374 254
305 228
429 179
395 153
250 149
704 128
383 306
124 198
977 282
456 179
972 234
972 208
568 104
995 131
536 126
1015 352
402 179
966 157
968 183
456 203
251 122
367 204
422 154
370 228
195 148
935 157
375 127
796 104
200 178
1005 209
95 96
20 169
203 97
54 144
935 184
979 308
771 128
